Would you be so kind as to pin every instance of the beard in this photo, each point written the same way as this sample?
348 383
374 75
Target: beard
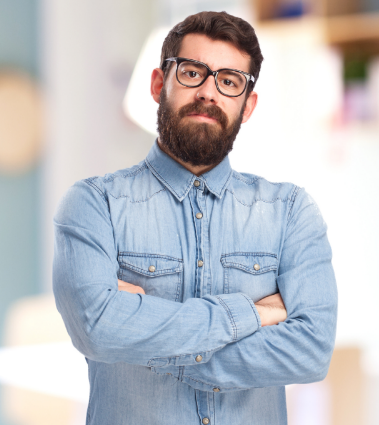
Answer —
197 143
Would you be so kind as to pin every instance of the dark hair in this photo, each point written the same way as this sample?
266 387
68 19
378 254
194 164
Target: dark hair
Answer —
217 26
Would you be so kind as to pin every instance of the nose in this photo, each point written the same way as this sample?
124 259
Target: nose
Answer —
208 92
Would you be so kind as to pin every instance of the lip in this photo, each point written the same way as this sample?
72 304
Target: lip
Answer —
202 117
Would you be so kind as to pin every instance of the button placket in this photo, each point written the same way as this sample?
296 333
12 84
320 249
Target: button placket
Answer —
205 406
195 194
202 200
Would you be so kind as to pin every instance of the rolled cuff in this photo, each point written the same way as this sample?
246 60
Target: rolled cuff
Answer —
242 313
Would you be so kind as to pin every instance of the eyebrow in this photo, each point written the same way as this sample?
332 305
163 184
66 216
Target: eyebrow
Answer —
233 73
197 65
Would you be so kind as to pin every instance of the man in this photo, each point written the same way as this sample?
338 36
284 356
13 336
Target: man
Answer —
172 276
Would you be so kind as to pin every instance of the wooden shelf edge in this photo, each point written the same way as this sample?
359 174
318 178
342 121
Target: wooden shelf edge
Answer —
336 30
352 28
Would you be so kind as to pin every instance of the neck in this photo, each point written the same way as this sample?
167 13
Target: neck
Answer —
198 170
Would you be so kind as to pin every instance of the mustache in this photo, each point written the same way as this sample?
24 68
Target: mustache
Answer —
213 111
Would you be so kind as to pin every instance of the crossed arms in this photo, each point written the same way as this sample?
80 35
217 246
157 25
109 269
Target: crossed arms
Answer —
271 309
111 325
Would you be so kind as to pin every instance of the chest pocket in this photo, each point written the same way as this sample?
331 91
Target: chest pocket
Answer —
253 273
158 275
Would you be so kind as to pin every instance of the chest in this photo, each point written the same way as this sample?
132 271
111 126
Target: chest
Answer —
202 245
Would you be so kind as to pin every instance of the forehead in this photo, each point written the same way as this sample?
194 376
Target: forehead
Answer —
215 53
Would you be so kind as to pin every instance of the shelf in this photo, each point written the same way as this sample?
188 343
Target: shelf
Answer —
352 28
344 31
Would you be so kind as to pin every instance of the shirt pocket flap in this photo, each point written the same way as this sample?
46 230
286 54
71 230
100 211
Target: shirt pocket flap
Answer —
150 265
251 262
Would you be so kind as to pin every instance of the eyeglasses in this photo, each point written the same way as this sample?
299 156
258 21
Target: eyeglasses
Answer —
229 82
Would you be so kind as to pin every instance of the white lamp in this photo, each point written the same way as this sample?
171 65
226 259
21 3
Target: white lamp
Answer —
138 104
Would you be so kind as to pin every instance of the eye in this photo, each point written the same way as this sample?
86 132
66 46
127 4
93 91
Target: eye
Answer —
228 83
191 74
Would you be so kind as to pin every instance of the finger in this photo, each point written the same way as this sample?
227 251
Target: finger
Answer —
129 287
134 290
273 300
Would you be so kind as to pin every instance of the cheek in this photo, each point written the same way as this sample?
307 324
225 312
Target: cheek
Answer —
235 112
177 97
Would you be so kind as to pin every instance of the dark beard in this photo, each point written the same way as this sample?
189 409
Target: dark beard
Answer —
196 143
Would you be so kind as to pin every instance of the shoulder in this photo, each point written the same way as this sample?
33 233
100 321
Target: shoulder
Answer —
136 183
251 188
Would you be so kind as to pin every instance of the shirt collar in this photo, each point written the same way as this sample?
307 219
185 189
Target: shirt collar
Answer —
179 180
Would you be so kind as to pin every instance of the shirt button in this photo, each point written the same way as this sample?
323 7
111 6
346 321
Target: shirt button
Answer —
199 358
205 421
199 215
257 267
200 263
196 183
152 269
216 390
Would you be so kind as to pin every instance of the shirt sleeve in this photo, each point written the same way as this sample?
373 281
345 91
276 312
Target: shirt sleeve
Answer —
299 350
112 326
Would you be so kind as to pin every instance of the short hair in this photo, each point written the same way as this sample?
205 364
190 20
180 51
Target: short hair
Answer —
216 26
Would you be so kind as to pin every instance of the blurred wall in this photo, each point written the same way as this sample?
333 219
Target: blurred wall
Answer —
89 52
20 258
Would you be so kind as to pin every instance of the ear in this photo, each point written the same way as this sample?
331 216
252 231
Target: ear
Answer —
156 84
251 103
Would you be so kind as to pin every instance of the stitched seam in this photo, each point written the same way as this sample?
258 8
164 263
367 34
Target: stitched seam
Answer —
181 372
131 174
211 385
257 200
250 254
243 179
231 318
295 192
187 354
155 172
136 202
151 274
136 254
227 182
251 304
219 194
249 269
98 190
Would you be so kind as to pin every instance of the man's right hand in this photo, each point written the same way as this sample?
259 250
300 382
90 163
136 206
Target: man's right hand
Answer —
271 310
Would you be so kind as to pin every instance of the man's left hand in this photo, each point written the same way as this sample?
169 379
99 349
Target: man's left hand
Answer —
129 287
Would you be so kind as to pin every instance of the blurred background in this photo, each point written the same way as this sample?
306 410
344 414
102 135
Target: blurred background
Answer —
74 102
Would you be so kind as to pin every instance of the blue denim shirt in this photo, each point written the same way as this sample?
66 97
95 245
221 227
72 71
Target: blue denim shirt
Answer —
204 249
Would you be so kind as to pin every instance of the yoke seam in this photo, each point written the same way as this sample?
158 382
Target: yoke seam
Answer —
131 174
257 200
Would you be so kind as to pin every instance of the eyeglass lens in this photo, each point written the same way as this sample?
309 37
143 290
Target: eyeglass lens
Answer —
229 82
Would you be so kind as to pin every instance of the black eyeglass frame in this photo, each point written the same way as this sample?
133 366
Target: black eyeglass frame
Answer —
179 60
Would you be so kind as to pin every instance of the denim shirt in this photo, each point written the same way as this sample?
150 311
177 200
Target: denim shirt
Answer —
204 249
